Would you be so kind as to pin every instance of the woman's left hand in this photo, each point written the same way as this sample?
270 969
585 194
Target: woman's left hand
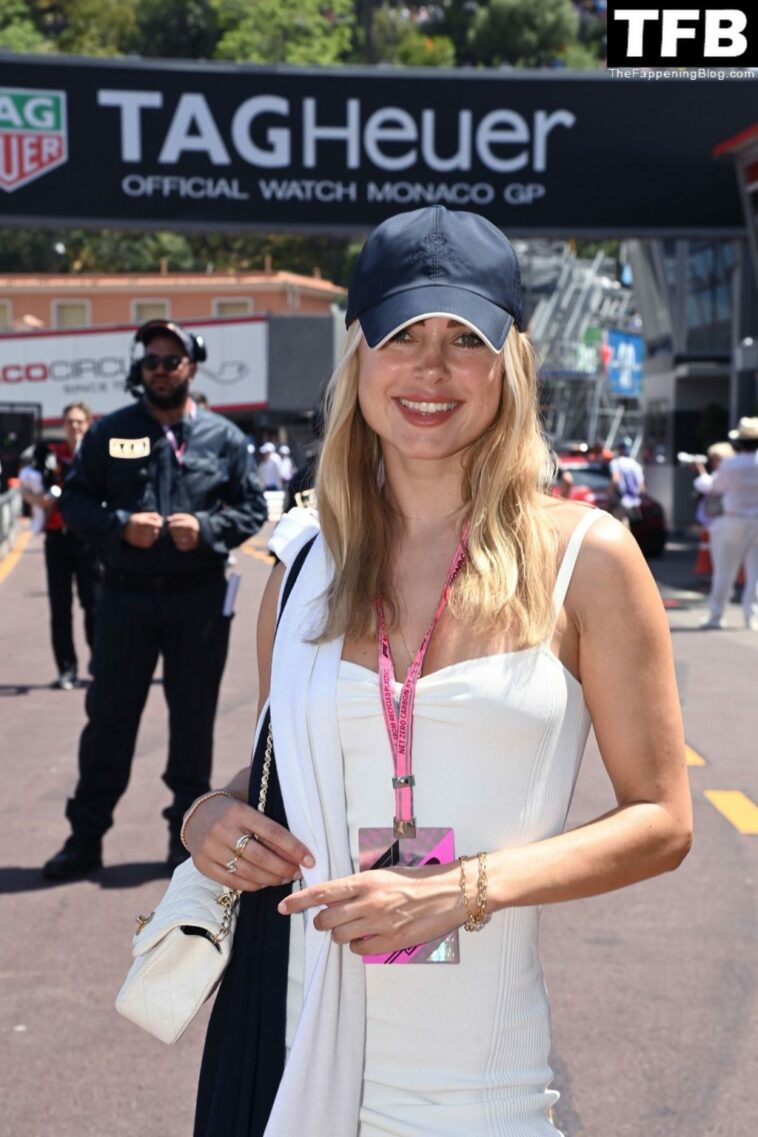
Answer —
384 910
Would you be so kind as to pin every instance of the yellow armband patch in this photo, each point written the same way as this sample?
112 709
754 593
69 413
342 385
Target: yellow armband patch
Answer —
128 447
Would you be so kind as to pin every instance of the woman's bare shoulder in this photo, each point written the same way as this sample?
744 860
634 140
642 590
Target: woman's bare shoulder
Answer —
269 603
267 628
611 576
609 560
564 515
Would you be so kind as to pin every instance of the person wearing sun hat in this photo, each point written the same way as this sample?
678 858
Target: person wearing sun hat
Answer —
270 467
734 535
451 632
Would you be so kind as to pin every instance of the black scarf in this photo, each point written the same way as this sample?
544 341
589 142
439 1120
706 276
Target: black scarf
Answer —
243 1060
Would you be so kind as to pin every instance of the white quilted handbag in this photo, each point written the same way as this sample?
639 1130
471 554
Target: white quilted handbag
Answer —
175 971
182 948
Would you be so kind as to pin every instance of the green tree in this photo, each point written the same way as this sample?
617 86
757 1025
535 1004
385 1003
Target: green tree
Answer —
176 29
287 31
454 18
18 30
114 250
588 250
96 27
332 256
580 57
398 39
81 250
522 32
28 250
229 14
364 49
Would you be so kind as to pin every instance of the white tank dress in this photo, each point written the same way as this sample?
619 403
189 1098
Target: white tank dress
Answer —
462 1050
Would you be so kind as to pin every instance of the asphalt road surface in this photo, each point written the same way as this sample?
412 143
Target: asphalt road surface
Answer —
652 988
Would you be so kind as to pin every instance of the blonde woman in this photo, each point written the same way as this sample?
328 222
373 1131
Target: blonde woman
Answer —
451 634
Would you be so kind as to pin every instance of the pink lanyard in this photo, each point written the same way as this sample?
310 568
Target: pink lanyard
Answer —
400 723
178 450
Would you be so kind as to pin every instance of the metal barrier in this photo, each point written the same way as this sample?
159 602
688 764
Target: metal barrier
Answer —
10 511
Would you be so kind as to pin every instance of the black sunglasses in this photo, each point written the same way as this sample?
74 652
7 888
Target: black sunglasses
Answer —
170 362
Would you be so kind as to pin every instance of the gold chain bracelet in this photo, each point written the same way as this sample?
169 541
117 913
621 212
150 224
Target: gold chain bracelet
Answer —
199 801
475 921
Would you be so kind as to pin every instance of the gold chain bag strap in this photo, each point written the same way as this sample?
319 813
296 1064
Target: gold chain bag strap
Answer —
230 897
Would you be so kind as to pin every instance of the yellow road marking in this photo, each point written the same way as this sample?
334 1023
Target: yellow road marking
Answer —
737 808
7 564
693 758
259 554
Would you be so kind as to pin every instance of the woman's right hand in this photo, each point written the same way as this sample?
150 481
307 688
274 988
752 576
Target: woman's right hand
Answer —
273 856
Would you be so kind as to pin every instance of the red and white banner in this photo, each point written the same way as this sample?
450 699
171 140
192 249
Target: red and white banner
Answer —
55 368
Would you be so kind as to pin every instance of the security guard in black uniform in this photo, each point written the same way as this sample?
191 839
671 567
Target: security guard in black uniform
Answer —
164 493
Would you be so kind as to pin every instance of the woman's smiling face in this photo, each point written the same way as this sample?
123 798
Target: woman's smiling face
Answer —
432 390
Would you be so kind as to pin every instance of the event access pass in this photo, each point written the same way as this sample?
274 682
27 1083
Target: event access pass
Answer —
381 849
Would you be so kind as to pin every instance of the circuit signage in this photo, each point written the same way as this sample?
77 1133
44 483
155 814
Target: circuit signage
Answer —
54 368
221 146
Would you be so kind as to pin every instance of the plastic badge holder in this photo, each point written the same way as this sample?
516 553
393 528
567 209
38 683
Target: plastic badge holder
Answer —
381 849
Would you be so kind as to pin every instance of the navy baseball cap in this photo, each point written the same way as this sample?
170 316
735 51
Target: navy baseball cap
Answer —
434 262
165 327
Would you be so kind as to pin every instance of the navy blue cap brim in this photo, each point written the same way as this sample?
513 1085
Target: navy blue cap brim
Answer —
489 321
167 327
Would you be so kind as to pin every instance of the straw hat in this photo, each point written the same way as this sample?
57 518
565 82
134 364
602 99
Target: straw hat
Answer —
747 428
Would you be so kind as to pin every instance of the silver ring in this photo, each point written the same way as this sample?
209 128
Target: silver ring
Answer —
231 864
239 848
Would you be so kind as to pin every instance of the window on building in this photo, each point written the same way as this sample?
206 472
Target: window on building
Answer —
144 310
657 432
225 309
709 295
6 317
71 313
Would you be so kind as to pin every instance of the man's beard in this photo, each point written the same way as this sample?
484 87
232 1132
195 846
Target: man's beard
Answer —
170 400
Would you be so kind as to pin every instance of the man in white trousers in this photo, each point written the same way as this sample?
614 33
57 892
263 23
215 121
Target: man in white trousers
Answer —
734 535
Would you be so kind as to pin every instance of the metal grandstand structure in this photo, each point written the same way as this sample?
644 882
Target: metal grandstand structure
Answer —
573 303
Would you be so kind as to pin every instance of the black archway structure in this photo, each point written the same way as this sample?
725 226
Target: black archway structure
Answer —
119 143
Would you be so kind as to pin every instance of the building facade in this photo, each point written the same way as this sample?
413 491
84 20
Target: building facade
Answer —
69 300
304 328
699 310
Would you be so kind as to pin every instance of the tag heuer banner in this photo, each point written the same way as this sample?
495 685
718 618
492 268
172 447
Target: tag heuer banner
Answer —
92 143
32 135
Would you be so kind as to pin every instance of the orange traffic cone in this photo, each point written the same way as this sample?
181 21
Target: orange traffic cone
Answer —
703 566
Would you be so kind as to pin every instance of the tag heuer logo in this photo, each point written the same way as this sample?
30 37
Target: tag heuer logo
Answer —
33 137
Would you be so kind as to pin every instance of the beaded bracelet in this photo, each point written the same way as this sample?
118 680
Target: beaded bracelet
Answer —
199 801
475 921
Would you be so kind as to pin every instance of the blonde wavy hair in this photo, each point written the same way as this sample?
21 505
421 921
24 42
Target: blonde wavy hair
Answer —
508 577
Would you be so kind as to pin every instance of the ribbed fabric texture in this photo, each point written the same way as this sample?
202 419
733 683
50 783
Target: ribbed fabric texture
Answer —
453 1050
